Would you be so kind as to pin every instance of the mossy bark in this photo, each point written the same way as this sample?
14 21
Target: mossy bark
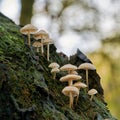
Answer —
27 89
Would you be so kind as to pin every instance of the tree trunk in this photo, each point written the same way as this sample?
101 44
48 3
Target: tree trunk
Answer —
27 89
26 11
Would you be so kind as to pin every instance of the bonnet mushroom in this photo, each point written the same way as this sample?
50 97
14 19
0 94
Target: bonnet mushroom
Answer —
27 30
71 92
68 67
37 45
70 78
92 92
54 71
79 85
47 42
54 65
87 66
42 35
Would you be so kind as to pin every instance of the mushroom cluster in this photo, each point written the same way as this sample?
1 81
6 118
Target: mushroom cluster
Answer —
55 69
73 89
41 37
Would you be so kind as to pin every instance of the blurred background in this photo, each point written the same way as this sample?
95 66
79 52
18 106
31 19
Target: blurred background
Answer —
93 26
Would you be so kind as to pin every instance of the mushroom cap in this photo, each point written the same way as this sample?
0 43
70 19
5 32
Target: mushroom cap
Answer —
37 44
70 89
50 41
70 77
80 85
68 67
41 35
92 92
74 72
28 29
54 65
87 66
55 70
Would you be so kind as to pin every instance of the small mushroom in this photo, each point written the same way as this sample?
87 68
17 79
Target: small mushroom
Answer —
87 66
71 91
42 35
37 45
74 72
79 85
47 42
54 71
70 78
54 65
92 92
27 30
68 67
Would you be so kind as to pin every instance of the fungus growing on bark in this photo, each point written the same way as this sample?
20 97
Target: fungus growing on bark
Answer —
47 42
79 85
54 65
42 35
92 92
54 71
74 72
37 45
72 92
27 30
70 78
87 66
69 68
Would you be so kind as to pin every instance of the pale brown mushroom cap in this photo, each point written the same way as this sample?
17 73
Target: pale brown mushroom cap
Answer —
74 72
55 70
80 85
50 41
70 77
70 89
92 92
41 35
68 67
28 29
54 65
37 44
87 66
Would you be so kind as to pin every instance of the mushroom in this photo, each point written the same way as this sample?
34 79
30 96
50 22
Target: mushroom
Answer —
74 72
47 42
54 71
41 35
68 67
70 78
87 66
79 85
54 65
71 91
27 30
37 45
92 92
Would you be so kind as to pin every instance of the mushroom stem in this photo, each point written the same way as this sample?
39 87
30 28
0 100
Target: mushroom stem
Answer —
28 38
70 82
48 46
37 49
77 99
87 78
71 100
91 97
54 75
42 50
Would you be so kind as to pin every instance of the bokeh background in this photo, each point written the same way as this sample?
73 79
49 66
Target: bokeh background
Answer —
93 26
